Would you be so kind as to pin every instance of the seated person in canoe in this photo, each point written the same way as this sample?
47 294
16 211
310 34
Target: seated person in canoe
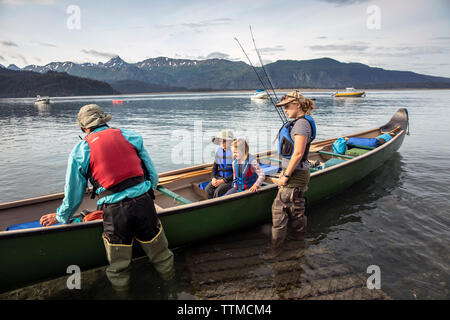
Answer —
222 171
247 174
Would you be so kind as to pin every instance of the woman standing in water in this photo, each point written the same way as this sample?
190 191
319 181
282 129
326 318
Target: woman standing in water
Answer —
295 138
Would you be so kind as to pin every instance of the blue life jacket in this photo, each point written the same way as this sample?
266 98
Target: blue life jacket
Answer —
244 176
224 160
285 142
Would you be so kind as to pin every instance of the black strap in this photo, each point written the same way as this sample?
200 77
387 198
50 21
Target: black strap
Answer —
128 183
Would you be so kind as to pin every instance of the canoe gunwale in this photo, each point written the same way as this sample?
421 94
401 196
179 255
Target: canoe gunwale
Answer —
58 228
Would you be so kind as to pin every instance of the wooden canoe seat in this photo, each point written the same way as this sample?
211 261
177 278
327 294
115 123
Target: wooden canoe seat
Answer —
199 191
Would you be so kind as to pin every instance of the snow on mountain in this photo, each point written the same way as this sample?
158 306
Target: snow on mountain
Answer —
115 62
13 67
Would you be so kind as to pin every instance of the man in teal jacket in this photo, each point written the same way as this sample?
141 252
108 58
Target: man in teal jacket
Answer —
124 178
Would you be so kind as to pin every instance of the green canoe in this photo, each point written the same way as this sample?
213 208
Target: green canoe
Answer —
34 255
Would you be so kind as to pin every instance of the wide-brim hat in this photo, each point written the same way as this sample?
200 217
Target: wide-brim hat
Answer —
92 115
223 135
290 97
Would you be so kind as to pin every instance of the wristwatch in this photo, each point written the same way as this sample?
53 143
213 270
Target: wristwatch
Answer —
285 175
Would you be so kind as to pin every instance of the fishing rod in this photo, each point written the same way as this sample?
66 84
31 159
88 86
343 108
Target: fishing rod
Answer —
254 69
281 115
262 65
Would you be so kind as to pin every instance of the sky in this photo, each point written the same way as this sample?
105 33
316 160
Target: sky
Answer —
395 35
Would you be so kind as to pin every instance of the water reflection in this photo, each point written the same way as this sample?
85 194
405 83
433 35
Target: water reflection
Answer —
43 108
327 215
260 102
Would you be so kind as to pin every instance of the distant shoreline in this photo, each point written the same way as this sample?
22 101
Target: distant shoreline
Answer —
276 91
309 90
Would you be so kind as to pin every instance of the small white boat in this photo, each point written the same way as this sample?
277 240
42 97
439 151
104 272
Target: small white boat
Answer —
42 100
349 92
260 94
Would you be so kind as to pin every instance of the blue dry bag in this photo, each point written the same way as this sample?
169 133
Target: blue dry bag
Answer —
365 142
386 137
340 146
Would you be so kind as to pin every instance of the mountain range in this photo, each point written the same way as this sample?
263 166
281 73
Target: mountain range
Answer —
167 74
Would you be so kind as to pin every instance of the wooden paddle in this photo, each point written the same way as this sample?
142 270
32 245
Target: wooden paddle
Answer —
186 175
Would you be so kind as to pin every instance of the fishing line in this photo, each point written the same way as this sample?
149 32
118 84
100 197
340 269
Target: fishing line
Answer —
262 82
262 65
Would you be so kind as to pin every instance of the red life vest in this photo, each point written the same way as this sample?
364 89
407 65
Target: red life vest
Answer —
113 160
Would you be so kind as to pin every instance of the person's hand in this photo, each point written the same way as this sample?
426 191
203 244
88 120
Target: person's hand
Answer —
214 182
282 181
219 182
48 219
254 188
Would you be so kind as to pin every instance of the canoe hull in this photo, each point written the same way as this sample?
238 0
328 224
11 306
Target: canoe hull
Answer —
43 253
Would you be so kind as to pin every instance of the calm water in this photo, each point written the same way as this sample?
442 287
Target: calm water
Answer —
396 218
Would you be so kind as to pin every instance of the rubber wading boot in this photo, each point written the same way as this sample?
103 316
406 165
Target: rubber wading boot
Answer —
159 255
170 289
299 236
275 250
118 271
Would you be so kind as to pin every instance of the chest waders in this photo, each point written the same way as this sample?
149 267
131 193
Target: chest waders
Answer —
290 201
129 219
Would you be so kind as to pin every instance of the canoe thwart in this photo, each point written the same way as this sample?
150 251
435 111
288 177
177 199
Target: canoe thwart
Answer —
173 195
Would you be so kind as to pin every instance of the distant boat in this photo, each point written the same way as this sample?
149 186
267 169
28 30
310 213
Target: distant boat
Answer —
349 92
260 94
42 100
117 101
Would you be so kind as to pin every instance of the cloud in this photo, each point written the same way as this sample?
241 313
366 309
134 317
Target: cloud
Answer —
19 57
22 2
8 43
408 51
164 26
322 37
2 59
271 50
218 55
44 44
212 55
440 38
340 47
99 53
345 2
208 23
